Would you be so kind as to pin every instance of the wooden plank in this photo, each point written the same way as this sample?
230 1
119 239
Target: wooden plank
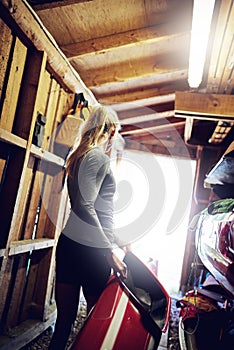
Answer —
36 32
152 129
41 285
180 151
12 139
30 97
63 210
46 156
50 5
51 111
13 172
204 106
42 102
143 97
139 95
147 35
222 51
19 247
142 81
5 47
64 104
13 85
62 109
5 277
17 290
21 335
34 301
12 212
47 216
19 229
147 118
26 310
2 167
122 106
127 64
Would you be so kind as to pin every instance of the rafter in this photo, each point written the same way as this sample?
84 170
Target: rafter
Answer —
142 81
142 97
158 128
45 5
144 102
145 36
148 117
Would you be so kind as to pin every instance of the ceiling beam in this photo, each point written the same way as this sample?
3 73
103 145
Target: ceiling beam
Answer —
144 102
30 24
45 5
144 36
147 117
204 106
159 128
220 78
140 81
100 71
143 96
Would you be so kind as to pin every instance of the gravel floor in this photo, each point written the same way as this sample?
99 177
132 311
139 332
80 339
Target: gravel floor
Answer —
43 340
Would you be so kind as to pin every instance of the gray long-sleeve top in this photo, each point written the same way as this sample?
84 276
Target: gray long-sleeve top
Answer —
91 193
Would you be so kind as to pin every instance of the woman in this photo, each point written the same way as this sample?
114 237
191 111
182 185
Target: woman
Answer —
84 256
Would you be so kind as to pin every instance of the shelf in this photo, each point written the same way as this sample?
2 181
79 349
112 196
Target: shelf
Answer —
37 152
8 137
47 156
24 246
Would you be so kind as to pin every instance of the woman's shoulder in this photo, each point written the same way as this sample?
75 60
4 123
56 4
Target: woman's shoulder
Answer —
96 156
97 152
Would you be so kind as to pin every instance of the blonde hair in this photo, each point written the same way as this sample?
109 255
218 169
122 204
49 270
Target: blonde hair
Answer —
101 120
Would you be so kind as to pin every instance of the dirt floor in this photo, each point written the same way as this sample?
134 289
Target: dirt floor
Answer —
43 340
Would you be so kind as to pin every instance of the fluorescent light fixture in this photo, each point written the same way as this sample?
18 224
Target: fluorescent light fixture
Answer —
201 22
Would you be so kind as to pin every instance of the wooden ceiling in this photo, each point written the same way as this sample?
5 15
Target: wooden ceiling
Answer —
134 56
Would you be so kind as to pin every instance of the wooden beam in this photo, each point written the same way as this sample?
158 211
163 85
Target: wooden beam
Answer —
130 64
12 139
50 5
21 335
31 25
13 84
143 81
159 128
144 102
220 78
158 148
204 106
46 156
5 50
147 117
19 247
148 35
140 95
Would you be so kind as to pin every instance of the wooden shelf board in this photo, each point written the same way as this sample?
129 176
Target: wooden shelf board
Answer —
13 139
24 246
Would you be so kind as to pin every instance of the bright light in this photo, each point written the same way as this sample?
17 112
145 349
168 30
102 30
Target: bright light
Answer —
158 244
202 16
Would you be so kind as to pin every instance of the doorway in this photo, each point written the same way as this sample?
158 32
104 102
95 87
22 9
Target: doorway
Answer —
152 206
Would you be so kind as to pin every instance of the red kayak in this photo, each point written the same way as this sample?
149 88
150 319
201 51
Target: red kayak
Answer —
130 314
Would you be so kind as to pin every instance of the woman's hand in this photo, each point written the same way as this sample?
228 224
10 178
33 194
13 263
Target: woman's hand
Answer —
117 264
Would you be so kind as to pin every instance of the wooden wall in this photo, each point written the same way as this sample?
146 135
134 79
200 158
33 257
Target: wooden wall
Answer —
33 201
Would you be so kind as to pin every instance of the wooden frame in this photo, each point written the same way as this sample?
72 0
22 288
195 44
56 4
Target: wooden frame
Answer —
33 201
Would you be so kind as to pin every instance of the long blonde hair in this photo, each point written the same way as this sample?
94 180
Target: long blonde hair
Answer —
101 120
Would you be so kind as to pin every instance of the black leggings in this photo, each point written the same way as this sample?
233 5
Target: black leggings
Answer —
81 265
